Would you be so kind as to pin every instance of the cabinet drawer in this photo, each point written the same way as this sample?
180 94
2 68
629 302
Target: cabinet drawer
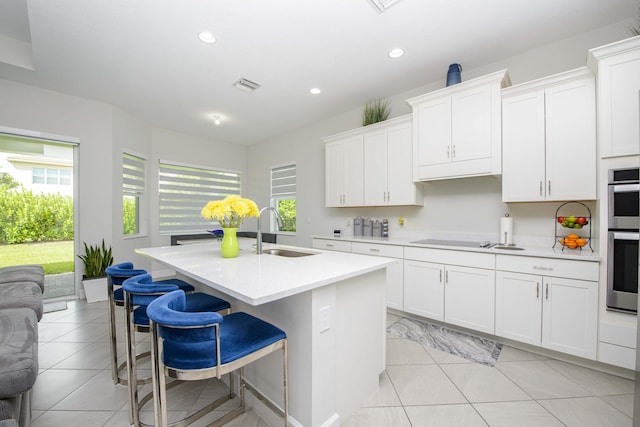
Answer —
582 270
376 249
332 245
452 257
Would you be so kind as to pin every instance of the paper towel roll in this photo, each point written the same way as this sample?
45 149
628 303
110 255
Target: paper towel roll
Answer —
506 230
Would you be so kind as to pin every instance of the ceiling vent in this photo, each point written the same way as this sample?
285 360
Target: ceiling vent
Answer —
246 85
382 5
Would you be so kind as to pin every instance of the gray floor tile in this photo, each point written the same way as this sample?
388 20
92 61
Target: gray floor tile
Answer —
586 412
53 385
407 352
97 394
521 414
76 418
511 354
378 417
385 396
623 403
51 353
481 383
444 416
540 381
423 385
598 383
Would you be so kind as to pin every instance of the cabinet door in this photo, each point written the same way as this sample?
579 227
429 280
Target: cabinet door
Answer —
401 190
523 148
571 141
395 285
569 316
618 106
433 126
375 168
469 298
353 175
471 124
424 289
519 307
334 169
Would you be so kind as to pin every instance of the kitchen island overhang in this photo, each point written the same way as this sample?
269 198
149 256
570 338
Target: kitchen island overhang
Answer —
332 306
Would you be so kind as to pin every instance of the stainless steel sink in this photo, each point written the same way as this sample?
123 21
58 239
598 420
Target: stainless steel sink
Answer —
509 248
286 253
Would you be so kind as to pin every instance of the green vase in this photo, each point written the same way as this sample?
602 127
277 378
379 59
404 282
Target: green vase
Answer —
230 246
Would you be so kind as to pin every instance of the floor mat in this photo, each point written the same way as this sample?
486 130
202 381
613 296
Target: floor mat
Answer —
50 307
480 350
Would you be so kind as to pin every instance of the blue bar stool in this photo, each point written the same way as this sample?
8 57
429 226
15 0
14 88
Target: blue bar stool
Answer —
139 291
116 275
190 346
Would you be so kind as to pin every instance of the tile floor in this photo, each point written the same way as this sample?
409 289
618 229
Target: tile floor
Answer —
421 386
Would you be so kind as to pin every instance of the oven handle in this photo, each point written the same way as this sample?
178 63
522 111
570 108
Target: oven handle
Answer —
626 188
622 235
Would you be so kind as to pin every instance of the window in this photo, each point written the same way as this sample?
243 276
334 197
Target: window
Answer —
185 189
51 176
283 195
133 189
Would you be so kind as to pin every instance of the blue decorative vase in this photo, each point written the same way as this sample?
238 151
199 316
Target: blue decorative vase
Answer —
453 75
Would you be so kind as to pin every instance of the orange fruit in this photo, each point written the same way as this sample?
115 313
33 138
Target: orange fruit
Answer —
562 241
571 244
572 236
581 242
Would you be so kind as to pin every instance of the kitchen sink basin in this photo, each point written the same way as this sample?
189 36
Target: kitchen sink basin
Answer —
286 253
509 248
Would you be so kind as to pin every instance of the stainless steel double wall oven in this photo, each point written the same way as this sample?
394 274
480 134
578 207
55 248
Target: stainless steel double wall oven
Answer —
623 238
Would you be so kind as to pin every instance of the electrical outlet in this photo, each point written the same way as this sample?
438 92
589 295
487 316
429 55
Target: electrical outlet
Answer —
324 319
348 222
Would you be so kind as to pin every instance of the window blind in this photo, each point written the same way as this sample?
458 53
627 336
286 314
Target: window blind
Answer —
283 182
132 175
185 189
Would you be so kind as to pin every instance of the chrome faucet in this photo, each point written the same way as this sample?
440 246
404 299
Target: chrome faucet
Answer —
259 234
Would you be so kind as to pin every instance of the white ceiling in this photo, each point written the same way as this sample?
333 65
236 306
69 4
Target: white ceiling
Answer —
144 55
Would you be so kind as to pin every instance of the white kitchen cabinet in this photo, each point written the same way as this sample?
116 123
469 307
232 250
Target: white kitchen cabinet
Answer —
617 67
372 166
395 273
549 139
558 313
424 289
388 176
344 172
457 130
469 298
452 286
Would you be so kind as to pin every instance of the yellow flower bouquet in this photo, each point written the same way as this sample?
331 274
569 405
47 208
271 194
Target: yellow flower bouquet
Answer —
230 211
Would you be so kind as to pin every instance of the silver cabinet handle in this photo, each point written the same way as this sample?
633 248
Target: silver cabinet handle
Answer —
540 188
454 151
446 277
440 276
374 250
547 292
329 245
537 290
539 267
448 152
549 187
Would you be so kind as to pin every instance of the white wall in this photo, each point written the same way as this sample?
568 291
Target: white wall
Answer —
104 132
470 206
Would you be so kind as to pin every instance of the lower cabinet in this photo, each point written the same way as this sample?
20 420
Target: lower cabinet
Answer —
557 313
460 295
395 276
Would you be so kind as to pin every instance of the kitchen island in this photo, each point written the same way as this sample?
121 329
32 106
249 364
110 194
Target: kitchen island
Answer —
330 304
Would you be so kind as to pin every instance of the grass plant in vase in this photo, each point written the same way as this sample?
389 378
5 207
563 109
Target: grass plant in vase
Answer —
229 213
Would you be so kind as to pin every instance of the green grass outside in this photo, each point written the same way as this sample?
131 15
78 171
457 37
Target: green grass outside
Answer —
55 257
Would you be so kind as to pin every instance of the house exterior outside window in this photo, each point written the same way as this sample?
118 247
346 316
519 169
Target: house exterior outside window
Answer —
283 195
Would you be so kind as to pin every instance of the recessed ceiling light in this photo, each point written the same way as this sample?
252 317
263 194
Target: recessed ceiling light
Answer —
206 37
216 119
315 91
396 53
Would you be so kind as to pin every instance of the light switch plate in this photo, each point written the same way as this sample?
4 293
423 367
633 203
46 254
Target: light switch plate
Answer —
324 319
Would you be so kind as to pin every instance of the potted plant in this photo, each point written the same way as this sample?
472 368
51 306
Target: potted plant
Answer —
376 111
96 260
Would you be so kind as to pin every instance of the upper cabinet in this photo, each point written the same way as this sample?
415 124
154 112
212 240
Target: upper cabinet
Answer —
549 139
617 67
457 130
344 172
379 174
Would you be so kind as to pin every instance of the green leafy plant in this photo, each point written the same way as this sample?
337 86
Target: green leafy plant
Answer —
635 27
376 111
96 260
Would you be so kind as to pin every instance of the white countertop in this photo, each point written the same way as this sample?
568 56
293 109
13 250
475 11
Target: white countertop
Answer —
258 279
585 254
